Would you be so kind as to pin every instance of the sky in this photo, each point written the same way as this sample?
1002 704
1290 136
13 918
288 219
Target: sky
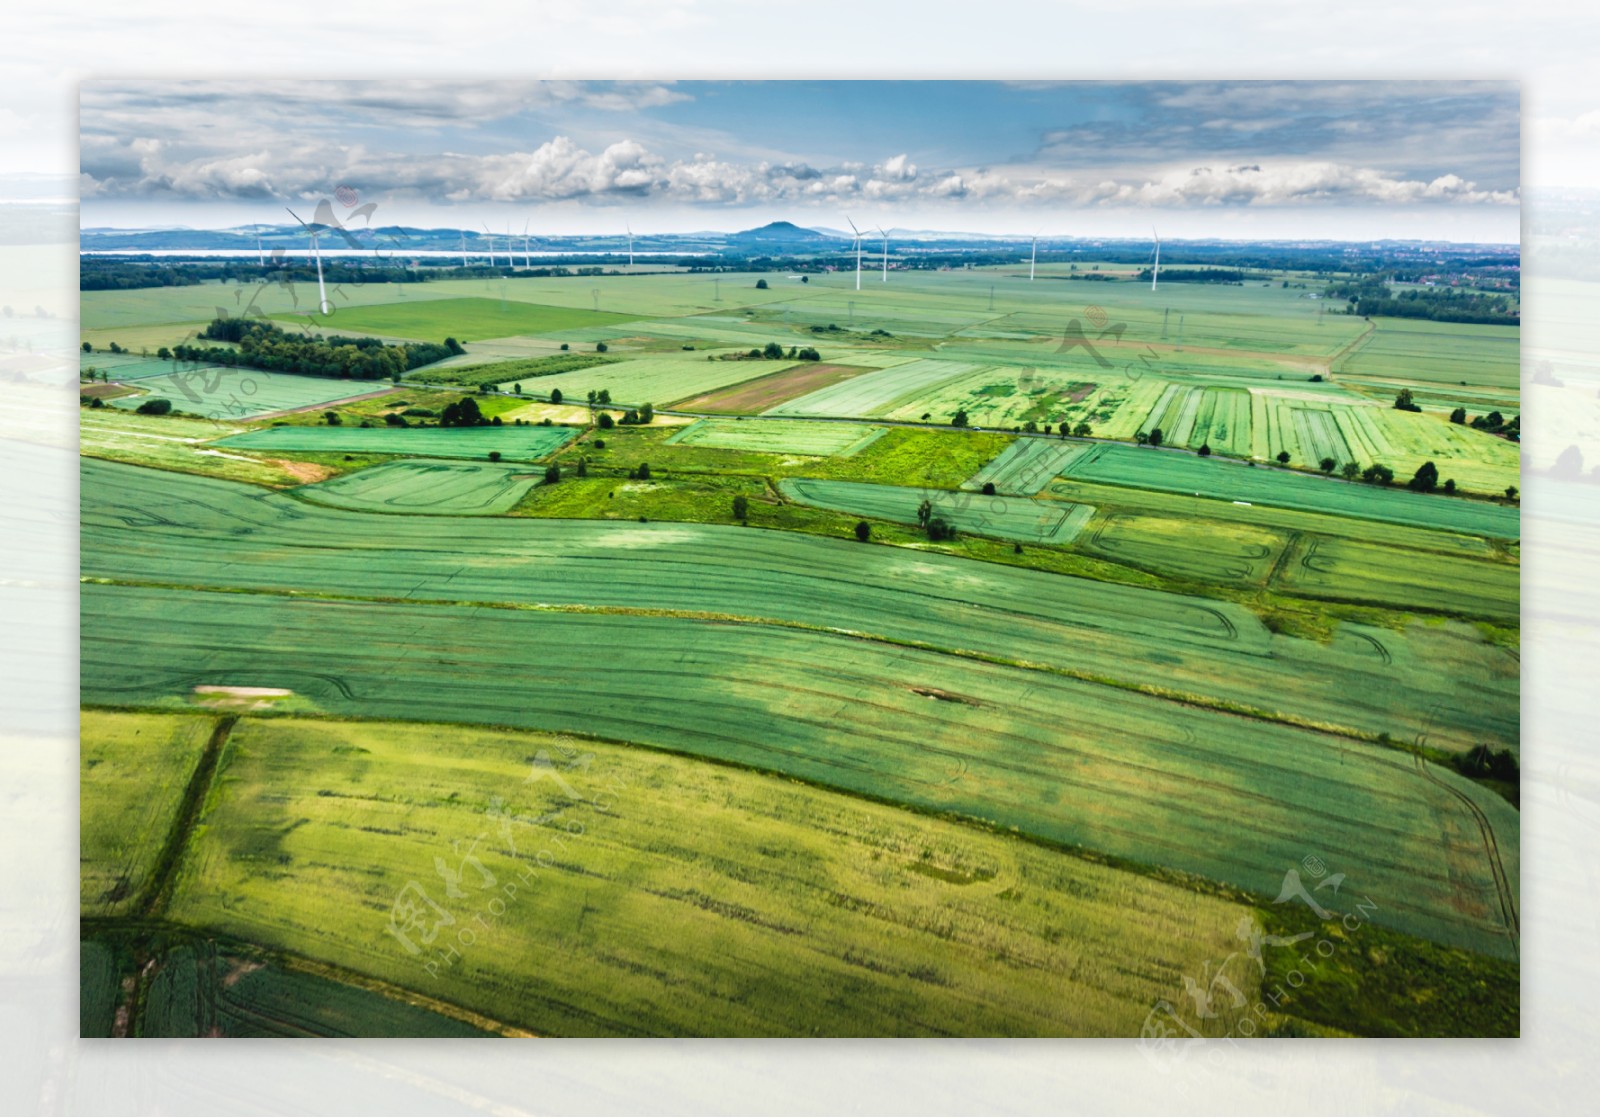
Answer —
1275 159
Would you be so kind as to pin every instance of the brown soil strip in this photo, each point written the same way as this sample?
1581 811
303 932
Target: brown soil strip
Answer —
773 389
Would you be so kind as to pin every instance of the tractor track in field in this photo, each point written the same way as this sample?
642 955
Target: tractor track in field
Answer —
1502 883
159 889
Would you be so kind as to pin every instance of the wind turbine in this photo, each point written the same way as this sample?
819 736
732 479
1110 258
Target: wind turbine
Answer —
885 237
322 291
1155 272
261 253
1034 259
491 243
527 257
463 248
857 232
629 228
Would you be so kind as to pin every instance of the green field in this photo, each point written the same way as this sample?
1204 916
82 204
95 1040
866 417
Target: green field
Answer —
1192 548
522 443
1234 481
776 436
418 485
656 379
1011 518
134 771
146 526
1027 466
1072 762
877 394
673 898
238 394
433 320
1351 571
1442 354
171 442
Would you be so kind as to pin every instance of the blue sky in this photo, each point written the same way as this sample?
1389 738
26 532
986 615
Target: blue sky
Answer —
1244 159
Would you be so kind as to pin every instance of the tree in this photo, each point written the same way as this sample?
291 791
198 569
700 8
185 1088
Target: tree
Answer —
606 422
555 395
772 351
959 419
805 279
517 388
115 348
1205 450
924 512
1283 457
1450 486
644 471
453 346
1458 416
583 467
741 508
1426 479
1155 436
1327 465
940 529
807 353
647 412
863 531
332 418
87 348
761 285
1377 474
1404 402
1082 430
552 474
1351 470
155 406
395 419
604 397
164 354
988 489
1511 492
566 345
599 347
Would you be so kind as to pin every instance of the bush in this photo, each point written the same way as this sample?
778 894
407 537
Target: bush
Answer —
741 508
807 353
1327 465
959 419
761 285
1351 470
552 474
332 419
599 347
1156 436
1377 474
644 471
988 489
863 531
1426 479
599 444
156 406
1459 416
494 456
940 529
1283 457
772 351
564 345
393 419
605 422
1205 450
555 396
415 412
1404 402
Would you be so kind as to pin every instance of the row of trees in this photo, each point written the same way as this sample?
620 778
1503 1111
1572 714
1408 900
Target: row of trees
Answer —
262 345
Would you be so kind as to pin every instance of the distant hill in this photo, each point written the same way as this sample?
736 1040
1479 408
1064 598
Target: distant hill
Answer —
780 233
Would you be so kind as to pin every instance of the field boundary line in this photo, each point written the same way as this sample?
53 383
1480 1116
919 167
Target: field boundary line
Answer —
162 878
1502 884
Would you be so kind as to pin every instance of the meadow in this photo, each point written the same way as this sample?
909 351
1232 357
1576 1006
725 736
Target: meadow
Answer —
1443 354
238 394
657 379
465 319
526 444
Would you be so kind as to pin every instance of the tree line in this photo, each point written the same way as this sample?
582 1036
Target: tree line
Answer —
262 345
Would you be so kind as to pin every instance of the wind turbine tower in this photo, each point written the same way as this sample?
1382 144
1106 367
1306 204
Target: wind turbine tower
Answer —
463 248
857 232
527 257
629 228
885 237
322 291
491 243
1155 273
1034 259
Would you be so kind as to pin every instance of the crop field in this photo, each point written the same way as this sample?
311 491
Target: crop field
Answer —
433 320
1010 518
1203 551
1405 351
179 530
777 436
877 394
950 930
134 768
1073 762
1155 469
655 380
1027 466
525 444
418 485
237 394
687 758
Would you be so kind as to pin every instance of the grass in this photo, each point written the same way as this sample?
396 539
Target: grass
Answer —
655 379
1011 518
1442 354
674 898
1233 481
529 368
418 485
171 442
776 436
171 529
1067 761
433 320
526 444
1026 466
133 772
879 393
